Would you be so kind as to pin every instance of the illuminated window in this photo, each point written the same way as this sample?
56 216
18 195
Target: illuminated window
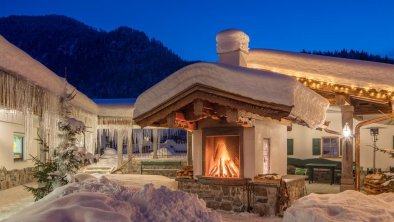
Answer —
330 146
18 148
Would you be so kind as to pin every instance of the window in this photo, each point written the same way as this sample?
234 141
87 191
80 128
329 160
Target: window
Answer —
316 146
18 148
290 146
330 147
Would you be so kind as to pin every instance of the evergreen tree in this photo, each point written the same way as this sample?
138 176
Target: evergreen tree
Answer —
64 161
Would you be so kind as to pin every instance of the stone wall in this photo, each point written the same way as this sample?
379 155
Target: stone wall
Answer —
296 189
225 196
244 195
264 200
12 178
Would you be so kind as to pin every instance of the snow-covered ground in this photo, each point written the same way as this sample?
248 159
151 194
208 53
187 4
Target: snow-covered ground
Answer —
345 206
14 199
118 198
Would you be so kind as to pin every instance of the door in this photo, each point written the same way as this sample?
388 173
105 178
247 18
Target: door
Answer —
266 156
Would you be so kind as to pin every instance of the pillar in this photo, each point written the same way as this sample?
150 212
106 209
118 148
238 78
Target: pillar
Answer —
347 180
119 143
140 141
189 148
155 142
129 152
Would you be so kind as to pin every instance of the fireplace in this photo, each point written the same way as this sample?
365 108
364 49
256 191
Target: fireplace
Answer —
222 152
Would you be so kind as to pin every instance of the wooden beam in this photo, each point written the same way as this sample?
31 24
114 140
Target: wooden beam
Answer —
340 99
171 120
198 107
232 115
212 95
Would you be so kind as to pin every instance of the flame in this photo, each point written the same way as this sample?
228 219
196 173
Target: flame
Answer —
221 164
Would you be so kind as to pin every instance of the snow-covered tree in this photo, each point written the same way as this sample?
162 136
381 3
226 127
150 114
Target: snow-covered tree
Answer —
63 161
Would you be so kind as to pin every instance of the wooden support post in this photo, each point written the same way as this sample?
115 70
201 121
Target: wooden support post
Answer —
347 180
189 148
155 143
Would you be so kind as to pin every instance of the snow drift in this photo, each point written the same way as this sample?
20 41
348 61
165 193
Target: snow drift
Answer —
104 200
345 206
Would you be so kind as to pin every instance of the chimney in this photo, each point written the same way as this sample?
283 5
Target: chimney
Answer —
232 47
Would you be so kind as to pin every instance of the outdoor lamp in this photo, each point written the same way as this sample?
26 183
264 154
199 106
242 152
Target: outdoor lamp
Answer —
346 131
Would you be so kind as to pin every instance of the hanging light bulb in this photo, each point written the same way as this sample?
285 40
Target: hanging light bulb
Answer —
346 131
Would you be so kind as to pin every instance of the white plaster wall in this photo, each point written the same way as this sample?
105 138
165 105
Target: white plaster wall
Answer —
8 126
385 141
197 152
303 136
303 142
249 152
277 133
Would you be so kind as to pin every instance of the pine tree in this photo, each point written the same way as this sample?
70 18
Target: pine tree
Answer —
64 161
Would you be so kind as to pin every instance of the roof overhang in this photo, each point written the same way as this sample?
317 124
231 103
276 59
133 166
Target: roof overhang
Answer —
231 92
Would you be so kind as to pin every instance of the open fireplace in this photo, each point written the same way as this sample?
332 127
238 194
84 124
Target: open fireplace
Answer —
222 152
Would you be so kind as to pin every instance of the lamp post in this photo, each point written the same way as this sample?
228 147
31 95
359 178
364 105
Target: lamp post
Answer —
374 132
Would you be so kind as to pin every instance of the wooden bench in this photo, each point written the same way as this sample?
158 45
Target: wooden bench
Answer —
176 164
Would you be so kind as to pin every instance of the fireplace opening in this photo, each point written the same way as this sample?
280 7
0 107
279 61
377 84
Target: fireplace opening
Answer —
222 156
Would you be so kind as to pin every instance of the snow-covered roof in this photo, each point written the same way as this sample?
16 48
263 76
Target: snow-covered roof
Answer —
116 107
350 72
264 86
16 61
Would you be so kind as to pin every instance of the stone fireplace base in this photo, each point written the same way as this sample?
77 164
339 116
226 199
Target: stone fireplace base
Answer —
241 195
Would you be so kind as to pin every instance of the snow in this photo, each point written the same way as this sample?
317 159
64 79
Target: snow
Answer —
104 200
17 62
14 199
349 72
346 206
230 40
137 180
259 85
229 216
115 107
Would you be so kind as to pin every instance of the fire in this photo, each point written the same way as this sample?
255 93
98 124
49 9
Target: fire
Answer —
221 164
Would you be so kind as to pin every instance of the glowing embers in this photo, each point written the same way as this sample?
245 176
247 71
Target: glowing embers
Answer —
222 156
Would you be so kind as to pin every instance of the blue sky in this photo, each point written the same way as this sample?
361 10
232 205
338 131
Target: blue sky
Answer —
189 27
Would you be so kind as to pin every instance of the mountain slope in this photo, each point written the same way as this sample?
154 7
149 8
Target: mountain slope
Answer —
120 63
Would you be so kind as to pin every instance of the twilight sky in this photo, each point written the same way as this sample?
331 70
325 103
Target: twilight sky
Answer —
189 27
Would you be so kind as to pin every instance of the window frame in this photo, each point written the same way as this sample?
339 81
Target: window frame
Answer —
338 147
292 146
23 157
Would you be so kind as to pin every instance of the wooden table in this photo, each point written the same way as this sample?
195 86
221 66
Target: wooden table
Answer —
330 166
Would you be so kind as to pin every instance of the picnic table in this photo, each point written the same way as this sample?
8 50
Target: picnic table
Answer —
330 166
